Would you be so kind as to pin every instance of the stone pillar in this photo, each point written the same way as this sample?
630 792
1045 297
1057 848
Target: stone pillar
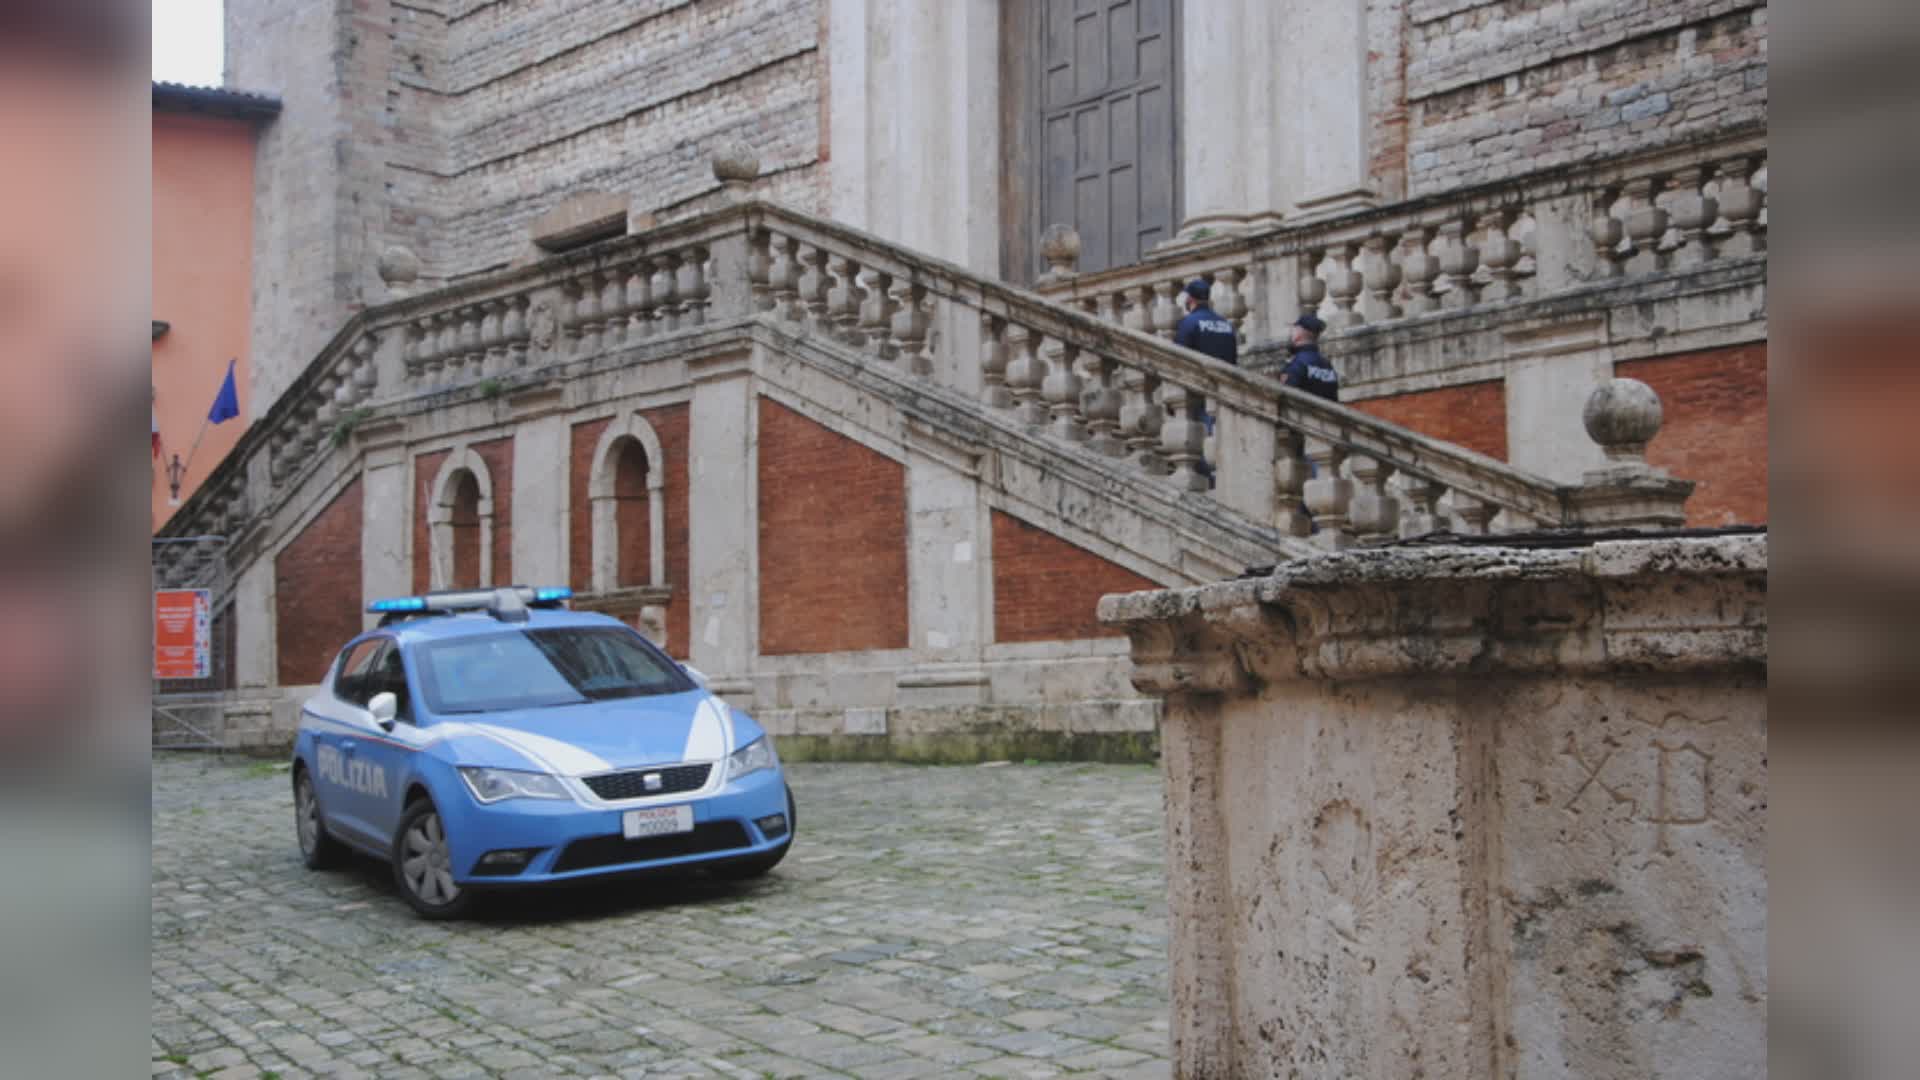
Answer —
1522 837
386 522
1322 58
723 541
947 577
1217 158
253 648
1551 372
540 465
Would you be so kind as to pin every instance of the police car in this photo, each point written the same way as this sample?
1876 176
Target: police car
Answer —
493 738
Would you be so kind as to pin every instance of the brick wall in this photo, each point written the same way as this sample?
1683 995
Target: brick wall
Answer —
1473 415
1046 589
1714 405
670 425
1511 86
316 599
833 540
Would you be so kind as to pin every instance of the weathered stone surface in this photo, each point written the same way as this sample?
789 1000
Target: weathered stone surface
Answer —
579 219
1468 812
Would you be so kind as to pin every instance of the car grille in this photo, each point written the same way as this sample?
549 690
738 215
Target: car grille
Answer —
632 783
614 850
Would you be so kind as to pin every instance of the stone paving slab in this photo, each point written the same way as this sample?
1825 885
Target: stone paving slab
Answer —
931 922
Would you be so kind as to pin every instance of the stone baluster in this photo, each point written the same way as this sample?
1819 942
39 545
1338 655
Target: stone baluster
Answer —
278 454
993 362
436 339
1608 233
1182 435
1739 203
1694 211
1374 512
1229 297
410 353
1100 403
1107 307
876 315
1500 255
366 373
1473 512
569 318
1422 496
815 289
639 302
587 314
1381 278
1419 268
1329 492
760 269
691 288
1062 392
1312 290
1026 375
613 307
1137 309
1088 306
909 326
1459 259
1140 422
493 346
1165 314
1290 474
666 295
1646 223
846 301
786 278
1343 286
514 327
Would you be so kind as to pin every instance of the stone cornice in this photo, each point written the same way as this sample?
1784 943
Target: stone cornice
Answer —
1656 605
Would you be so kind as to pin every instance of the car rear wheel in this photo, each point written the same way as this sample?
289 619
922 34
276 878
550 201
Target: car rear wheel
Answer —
758 865
318 850
423 865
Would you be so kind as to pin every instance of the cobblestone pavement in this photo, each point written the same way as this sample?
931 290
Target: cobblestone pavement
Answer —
930 922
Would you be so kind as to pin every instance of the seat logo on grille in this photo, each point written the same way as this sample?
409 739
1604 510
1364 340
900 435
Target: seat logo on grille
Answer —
652 781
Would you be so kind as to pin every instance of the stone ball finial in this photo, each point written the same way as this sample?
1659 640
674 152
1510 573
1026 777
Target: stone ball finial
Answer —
1060 246
734 163
398 265
1623 416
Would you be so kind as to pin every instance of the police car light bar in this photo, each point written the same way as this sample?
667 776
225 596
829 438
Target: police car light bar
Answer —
500 601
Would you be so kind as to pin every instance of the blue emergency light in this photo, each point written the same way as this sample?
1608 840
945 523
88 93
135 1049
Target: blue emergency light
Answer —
398 603
507 602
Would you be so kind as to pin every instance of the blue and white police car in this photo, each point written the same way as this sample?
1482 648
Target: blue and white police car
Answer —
492 738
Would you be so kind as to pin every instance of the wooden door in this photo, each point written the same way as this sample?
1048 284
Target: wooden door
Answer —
1106 129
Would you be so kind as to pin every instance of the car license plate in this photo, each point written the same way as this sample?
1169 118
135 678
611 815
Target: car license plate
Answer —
659 821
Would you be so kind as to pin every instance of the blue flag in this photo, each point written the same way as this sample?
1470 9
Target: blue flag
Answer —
226 404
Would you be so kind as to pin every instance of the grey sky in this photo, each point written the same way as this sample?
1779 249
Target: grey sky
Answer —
187 41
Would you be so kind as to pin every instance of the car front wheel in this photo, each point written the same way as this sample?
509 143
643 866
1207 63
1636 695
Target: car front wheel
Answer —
423 865
318 850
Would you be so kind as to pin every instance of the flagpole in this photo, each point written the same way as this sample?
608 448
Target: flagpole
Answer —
206 422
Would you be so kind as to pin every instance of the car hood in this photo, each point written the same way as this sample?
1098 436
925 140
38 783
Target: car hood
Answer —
596 737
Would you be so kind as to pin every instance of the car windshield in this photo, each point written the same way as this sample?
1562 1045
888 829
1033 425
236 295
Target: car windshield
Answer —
537 669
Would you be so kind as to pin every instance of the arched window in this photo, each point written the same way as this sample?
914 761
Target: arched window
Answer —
627 490
632 521
460 523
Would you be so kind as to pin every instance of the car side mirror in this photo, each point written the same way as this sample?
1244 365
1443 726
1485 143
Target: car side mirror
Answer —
384 708
696 675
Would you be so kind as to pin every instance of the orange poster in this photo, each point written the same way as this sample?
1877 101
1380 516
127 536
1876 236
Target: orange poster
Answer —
182 634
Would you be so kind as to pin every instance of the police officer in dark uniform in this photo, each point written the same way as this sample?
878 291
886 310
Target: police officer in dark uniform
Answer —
1308 370
1203 330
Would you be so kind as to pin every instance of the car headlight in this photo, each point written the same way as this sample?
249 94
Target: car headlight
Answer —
492 785
751 758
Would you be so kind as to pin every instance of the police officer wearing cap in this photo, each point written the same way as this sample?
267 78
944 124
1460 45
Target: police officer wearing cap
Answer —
1203 330
1308 370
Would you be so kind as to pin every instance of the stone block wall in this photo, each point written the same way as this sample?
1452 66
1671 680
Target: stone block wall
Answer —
1507 87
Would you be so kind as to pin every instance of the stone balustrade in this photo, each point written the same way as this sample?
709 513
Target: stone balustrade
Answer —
1516 240
1091 370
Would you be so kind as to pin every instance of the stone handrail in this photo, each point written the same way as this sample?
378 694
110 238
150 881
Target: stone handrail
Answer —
1517 239
1273 454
